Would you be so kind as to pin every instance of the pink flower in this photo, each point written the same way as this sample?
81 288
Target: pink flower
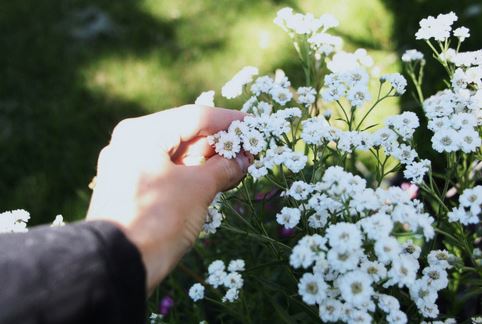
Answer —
411 188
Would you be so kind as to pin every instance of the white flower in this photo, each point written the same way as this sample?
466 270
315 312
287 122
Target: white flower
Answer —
440 258
196 292
404 153
306 250
236 265
388 303
262 84
429 310
397 81
233 280
359 317
355 288
301 256
328 21
296 23
412 55
334 91
385 137
231 295
331 310
213 220
228 145
306 96
472 198
422 294
263 109
324 43
463 120
415 171
299 190
215 266
343 61
312 288
205 99
155 318
403 124
249 104
257 169
234 87
216 278
344 236
462 33
462 216
468 58
358 95
445 140
397 317
319 219
343 260
409 248
238 128
436 277
374 269
469 140
253 142
295 161
288 217
14 221
403 271
377 227
437 28
59 221
280 95
387 249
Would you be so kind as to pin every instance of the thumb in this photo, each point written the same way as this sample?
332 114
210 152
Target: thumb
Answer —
225 173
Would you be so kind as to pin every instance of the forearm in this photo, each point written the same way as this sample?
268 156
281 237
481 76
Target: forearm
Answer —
83 273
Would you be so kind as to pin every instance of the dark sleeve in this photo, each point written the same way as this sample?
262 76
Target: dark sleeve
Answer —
87 272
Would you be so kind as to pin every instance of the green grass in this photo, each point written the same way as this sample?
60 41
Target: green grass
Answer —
60 97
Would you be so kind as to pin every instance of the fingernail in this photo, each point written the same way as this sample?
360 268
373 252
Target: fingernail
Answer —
243 162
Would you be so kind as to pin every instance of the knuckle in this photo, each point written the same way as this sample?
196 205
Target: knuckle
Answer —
229 173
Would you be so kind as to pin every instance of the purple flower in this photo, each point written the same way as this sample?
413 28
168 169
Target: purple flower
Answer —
165 305
286 232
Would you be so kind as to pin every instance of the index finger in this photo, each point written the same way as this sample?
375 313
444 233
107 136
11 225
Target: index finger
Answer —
171 127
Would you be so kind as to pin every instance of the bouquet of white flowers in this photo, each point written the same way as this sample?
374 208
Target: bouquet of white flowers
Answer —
353 248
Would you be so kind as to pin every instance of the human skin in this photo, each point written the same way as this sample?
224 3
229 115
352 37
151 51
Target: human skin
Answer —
144 186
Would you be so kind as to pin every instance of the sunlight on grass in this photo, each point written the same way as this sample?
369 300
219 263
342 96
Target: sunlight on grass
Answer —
144 80
212 50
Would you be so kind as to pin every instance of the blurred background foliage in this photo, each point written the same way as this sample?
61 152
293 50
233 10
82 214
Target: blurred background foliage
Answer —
71 69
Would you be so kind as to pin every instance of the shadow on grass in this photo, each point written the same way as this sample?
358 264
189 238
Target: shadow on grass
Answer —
51 126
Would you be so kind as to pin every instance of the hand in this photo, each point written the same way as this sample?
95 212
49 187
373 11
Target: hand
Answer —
144 186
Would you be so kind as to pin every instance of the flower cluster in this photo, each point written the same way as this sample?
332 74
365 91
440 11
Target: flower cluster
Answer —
359 252
353 85
314 29
214 216
14 221
219 275
368 248
470 207
454 120
438 28
412 55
